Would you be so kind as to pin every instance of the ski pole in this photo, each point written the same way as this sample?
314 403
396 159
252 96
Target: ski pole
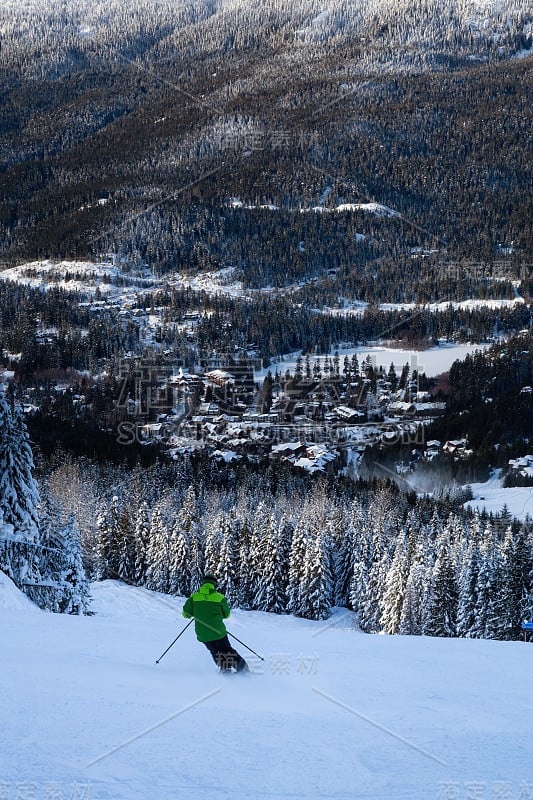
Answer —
175 640
245 645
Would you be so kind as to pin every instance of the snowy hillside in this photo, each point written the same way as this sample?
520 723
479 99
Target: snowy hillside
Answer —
492 496
331 713
399 28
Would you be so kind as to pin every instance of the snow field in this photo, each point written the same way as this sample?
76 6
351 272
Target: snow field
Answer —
491 496
331 714
432 361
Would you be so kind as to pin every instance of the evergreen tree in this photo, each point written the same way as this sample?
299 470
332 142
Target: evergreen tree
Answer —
257 551
297 565
73 584
158 555
108 542
213 541
441 618
246 581
101 547
20 551
317 585
518 564
496 619
370 613
342 539
363 556
227 570
141 539
395 584
63 586
19 494
192 528
414 602
271 594
468 584
486 580
179 555
126 550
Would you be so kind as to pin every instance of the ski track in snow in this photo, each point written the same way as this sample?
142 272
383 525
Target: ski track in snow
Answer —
81 689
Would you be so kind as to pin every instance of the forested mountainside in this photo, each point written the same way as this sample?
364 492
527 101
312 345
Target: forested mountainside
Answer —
194 138
491 401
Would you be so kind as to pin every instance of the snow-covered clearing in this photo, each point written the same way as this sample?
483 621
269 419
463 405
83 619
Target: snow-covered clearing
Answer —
369 208
459 305
378 209
212 283
492 497
331 714
357 307
433 361
122 286
79 276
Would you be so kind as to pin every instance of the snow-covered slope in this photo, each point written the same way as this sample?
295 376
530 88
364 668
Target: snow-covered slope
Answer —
491 496
77 27
12 599
331 713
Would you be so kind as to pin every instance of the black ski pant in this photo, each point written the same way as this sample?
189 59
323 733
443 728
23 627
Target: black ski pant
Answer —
225 656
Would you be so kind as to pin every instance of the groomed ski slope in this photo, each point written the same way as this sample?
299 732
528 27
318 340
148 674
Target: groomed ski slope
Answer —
429 718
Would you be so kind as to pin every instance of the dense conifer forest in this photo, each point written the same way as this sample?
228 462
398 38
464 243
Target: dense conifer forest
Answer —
133 134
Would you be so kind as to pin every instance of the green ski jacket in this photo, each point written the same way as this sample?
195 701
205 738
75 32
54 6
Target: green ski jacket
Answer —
209 608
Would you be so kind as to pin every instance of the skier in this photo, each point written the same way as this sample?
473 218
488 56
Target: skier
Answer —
209 609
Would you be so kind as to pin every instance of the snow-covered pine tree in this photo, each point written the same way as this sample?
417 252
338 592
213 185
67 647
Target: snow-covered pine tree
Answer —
486 581
192 527
415 595
51 524
126 556
141 538
317 585
246 578
107 546
518 564
19 493
527 600
103 546
343 554
110 533
262 533
271 588
363 557
496 622
395 583
158 557
19 499
468 583
121 563
228 570
297 564
285 527
213 541
73 584
261 524
441 617
369 612
179 575
63 586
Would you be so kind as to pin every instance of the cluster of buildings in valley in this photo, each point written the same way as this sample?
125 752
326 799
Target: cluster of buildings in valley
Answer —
315 423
